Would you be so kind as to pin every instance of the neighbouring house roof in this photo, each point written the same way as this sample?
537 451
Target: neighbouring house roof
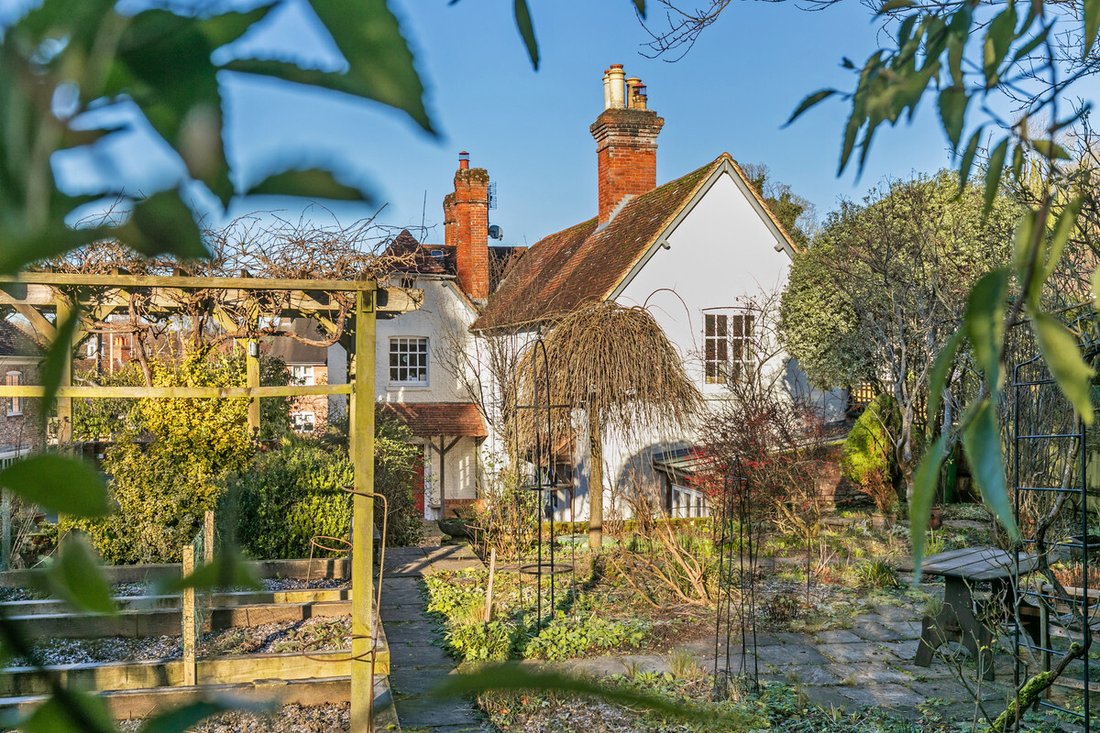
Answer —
429 419
292 351
426 259
585 263
13 342
439 259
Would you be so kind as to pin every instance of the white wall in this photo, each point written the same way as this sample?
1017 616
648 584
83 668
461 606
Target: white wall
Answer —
444 316
719 254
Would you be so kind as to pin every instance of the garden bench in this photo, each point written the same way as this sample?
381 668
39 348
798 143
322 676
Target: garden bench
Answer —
962 571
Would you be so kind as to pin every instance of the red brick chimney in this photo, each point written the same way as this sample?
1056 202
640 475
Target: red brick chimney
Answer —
466 227
626 141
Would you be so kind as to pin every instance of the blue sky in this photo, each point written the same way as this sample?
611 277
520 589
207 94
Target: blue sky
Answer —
732 92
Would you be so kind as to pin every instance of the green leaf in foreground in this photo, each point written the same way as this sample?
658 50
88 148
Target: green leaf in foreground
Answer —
527 31
310 183
79 712
925 483
967 161
937 378
227 570
1062 355
810 101
380 62
982 440
511 677
952 105
639 5
58 355
1092 24
985 323
185 717
58 484
993 173
75 577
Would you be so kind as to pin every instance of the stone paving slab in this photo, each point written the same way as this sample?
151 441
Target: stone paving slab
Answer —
418 664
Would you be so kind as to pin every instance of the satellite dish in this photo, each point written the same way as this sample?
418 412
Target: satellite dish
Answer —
496 232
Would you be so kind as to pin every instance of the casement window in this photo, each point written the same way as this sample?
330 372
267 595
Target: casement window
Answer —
409 361
303 422
687 503
15 406
302 374
728 346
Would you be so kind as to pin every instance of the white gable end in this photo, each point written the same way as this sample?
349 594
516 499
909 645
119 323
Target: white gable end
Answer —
722 250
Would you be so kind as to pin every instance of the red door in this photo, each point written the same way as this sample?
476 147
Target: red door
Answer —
418 484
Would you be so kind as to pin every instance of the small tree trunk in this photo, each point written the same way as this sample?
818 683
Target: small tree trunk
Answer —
595 481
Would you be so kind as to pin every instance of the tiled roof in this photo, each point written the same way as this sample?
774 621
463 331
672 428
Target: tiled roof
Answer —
13 342
293 351
428 259
429 419
580 264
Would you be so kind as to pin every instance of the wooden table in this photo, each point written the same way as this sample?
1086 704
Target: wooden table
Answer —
962 570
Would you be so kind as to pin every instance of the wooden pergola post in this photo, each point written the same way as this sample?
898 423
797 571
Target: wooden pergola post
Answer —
65 404
361 440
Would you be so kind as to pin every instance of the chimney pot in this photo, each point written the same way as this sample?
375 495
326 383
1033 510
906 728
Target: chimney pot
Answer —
616 79
631 89
606 89
626 144
463 160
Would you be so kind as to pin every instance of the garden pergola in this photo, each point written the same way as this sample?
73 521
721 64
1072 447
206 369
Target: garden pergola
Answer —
35 294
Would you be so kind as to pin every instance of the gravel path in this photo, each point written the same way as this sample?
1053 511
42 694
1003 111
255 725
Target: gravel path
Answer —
130 590
288 719
315 634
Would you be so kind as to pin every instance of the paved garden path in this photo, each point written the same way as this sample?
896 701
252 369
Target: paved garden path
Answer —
870 663
416 663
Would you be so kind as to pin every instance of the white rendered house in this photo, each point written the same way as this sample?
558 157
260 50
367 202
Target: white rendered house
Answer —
694 251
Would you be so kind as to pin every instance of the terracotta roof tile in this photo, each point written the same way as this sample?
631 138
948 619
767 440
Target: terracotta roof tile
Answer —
14 342
580 264
429 419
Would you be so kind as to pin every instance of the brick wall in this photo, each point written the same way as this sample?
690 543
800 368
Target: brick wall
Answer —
21 427
466 227
626 154
317 404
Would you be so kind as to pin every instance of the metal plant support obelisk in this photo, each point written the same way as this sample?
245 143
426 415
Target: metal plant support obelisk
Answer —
544 482
735 619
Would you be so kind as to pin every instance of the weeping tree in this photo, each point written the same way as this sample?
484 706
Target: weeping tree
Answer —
615 364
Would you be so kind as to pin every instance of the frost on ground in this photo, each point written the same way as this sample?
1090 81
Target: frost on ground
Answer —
287 719
312 635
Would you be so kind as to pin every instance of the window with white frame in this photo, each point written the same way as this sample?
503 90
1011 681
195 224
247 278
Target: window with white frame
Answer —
728 353
14 379
409 361
302 373
303 422
687 503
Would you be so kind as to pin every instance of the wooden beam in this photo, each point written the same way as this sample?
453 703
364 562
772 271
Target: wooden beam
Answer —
361 439
136 393
166 299
43 329
66 279
65 402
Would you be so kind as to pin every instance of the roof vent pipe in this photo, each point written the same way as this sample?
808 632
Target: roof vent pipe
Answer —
616 79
